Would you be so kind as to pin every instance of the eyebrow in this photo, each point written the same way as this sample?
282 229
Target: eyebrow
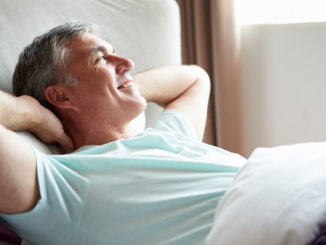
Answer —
100 48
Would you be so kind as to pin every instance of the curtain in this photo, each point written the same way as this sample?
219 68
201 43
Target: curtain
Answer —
209 39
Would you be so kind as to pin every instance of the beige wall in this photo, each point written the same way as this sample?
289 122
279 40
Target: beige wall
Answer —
283 84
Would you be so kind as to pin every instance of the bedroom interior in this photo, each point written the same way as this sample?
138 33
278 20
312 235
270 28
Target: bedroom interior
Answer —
267 90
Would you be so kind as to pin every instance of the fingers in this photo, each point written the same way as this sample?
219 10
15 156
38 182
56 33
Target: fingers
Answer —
66 144
52 132
44 124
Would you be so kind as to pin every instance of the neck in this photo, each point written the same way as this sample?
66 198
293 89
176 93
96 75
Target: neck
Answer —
94 132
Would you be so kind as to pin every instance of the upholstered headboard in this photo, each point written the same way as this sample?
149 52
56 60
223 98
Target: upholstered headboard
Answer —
148 32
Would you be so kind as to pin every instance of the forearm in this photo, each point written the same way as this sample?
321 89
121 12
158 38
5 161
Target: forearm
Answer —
14 114
26 113
165 84
183 88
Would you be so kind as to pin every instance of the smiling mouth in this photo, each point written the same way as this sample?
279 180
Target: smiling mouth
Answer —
127 84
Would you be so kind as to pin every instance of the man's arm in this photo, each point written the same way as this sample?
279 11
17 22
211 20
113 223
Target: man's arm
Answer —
185 88
18 180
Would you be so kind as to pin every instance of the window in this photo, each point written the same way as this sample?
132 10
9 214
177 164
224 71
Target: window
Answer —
279 11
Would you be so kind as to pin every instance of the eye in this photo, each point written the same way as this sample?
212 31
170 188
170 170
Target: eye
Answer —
100 59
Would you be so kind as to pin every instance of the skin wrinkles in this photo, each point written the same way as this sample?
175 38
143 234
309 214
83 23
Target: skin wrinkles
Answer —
99 51
97 110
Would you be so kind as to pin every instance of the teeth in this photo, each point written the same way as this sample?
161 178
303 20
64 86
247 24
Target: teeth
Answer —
127 84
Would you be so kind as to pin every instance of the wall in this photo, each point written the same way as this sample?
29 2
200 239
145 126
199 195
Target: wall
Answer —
284 84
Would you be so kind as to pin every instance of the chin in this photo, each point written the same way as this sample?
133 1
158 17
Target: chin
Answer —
137 107
142 106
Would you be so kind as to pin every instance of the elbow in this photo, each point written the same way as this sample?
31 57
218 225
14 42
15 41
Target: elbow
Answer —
203 80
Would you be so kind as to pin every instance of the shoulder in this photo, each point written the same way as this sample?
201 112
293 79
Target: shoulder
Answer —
173 120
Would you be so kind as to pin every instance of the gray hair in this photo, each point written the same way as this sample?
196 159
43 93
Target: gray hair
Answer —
44 62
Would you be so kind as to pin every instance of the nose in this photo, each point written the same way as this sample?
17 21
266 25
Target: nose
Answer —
123 64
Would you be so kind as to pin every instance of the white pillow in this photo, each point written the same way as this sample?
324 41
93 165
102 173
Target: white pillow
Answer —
279 197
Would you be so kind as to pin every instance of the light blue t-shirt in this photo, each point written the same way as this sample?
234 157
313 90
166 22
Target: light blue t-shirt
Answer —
160 187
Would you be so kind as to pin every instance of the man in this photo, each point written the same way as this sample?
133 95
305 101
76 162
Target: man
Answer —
161 186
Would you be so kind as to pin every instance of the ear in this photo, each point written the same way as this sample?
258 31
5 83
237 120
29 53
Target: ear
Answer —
58 96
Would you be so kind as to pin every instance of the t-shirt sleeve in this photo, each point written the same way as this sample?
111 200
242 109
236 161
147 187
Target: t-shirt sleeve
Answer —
174 121
61 191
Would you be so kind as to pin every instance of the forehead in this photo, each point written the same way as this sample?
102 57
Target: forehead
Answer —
88 45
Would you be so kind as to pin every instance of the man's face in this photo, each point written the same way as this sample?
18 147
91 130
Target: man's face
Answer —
105 90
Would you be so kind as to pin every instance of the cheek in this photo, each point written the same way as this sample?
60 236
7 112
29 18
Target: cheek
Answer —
104 72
